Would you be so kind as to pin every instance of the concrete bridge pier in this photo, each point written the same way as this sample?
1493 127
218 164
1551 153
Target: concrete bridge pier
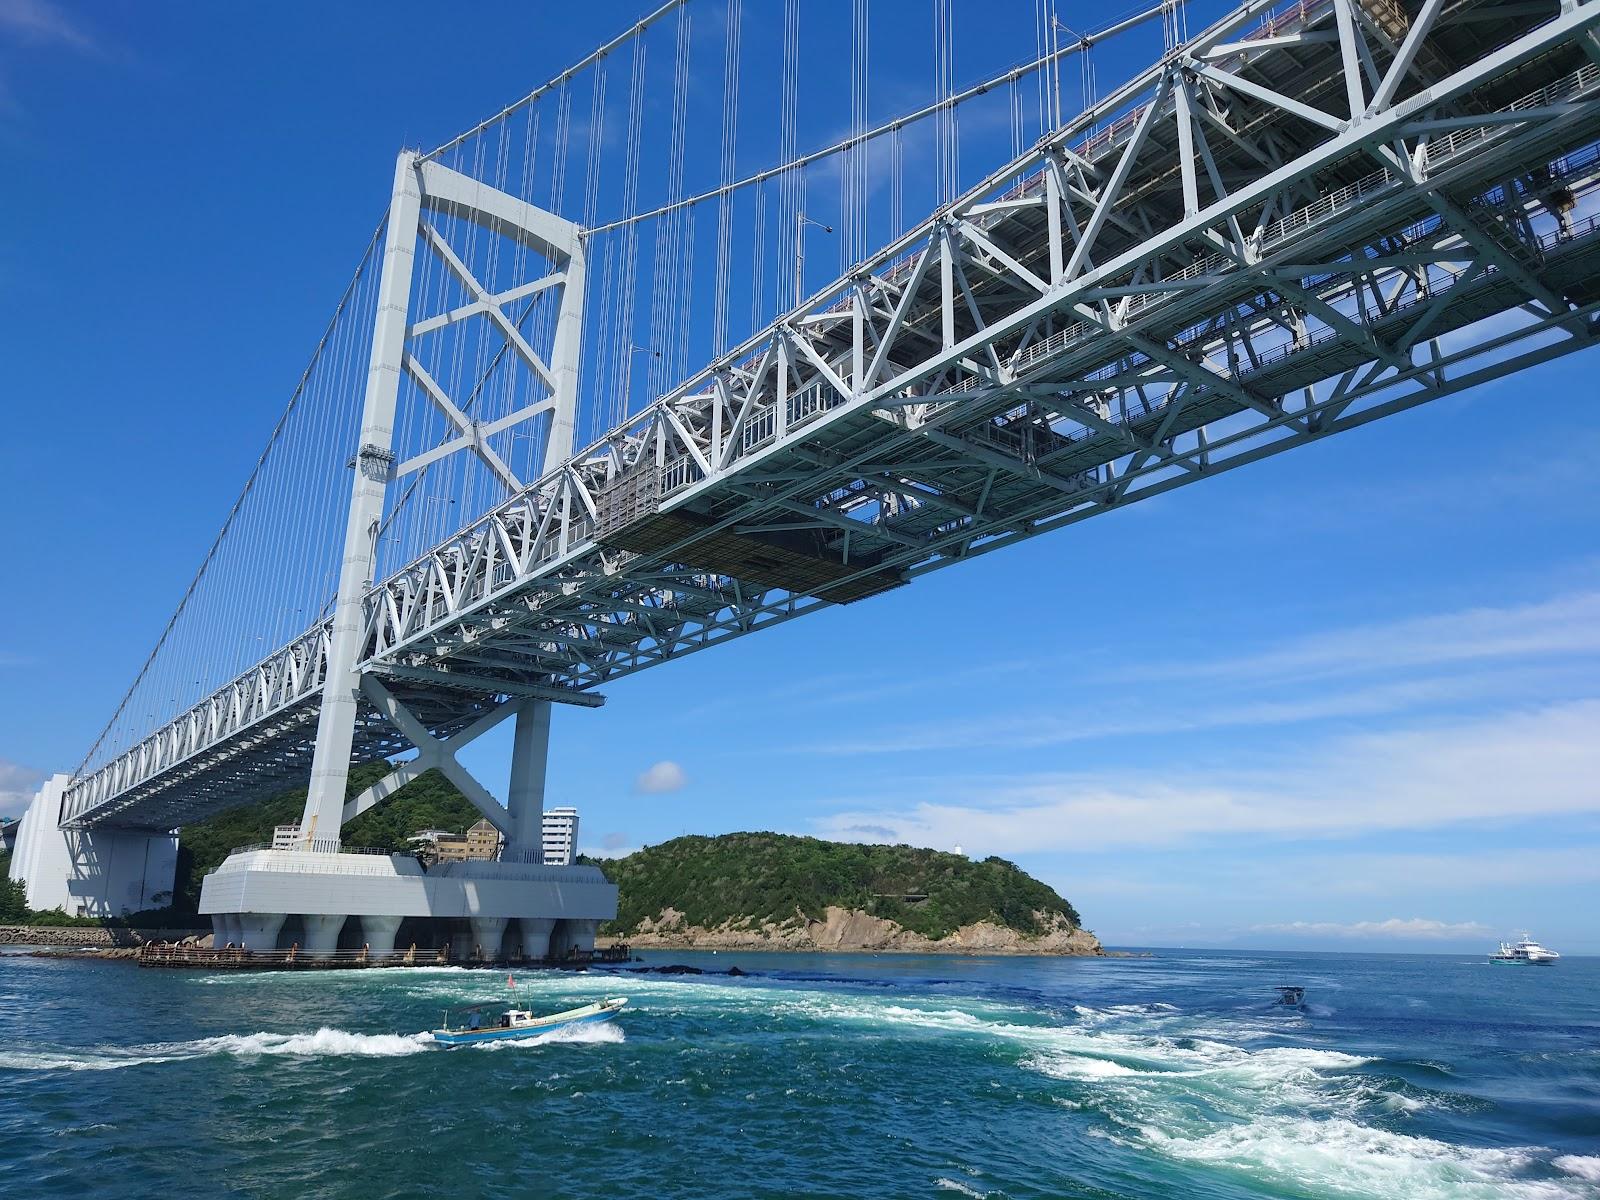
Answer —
575 933
479 899
378 933
487 934
322 933
258 931
102 872
536 936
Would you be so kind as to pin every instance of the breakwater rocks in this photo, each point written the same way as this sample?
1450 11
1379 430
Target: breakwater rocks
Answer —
851 929
99 937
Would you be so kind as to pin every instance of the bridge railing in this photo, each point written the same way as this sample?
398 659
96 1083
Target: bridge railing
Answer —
168 954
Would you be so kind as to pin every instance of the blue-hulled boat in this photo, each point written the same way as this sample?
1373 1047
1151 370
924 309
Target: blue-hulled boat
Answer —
520 1022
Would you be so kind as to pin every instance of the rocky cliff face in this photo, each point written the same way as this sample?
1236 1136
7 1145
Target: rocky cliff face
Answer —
848 929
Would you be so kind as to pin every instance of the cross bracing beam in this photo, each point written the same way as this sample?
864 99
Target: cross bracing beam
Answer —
1212 275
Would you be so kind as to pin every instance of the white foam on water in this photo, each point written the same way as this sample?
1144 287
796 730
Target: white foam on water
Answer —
1148 1074
1071 1066
1583 1166
945 1184
592 1033
87 1060
1398 1103
324 1042
1341 1158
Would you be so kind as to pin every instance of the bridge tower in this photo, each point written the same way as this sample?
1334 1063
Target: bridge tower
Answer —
253 893
422 188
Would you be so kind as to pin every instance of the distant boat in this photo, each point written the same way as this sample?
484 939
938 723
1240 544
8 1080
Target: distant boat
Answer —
1524 952
1291 994
519 1022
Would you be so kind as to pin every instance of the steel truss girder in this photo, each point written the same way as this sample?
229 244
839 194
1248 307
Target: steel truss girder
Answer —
1110 316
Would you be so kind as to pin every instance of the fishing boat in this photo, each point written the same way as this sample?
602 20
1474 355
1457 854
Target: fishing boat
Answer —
1524 952
1291 994
520 1022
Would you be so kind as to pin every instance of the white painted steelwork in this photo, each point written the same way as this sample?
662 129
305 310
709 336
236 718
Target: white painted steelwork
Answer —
1276 233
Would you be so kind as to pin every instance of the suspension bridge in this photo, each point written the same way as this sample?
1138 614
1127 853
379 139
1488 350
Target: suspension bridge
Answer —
1293 222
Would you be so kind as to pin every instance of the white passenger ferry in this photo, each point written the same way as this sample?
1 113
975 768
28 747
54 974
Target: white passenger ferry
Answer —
1523 952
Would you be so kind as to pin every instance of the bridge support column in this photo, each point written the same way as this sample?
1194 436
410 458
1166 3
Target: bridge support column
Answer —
259 931
536 936
574 933
530 751
377 934
322 933
487 934
341 688
100 872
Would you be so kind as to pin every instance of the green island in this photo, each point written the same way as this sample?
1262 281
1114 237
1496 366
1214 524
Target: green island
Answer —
779 891
735 890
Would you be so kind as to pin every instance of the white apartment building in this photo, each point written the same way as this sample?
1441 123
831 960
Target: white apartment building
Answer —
560 836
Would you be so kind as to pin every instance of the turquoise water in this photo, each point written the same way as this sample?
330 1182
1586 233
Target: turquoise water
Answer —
1172 1076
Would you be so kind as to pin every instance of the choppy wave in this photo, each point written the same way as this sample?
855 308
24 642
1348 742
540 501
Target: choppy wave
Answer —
1283 1115
593 1033
946 1184
323 1042
1237 1092
88 1060
1583 1166
1338 1157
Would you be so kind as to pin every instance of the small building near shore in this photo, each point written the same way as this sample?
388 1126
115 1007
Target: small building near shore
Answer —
480 843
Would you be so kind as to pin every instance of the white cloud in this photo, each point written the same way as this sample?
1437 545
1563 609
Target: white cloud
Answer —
1438 661
1026 733
609 851
1489 770
664 776
38 22
1394 927
17 786
1500 868
1564 626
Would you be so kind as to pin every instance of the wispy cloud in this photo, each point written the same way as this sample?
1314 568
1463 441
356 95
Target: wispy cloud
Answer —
665 776
17 786
609 851
1112 719
1511 766
28 27
1503 867
1442 660
1563 626
1394 927
41 23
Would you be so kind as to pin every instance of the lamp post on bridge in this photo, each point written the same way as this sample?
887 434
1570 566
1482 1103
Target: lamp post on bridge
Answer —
633 350
800 223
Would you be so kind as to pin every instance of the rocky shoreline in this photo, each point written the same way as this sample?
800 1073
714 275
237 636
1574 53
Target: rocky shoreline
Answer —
845 930
98 937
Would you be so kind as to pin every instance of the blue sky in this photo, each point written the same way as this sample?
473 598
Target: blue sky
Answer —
1345 698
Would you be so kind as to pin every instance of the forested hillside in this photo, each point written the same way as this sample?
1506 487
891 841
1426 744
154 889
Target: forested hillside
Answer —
769 876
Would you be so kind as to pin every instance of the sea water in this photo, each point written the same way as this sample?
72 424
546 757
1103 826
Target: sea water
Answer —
1174 1075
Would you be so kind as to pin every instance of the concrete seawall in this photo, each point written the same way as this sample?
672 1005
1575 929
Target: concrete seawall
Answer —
89 935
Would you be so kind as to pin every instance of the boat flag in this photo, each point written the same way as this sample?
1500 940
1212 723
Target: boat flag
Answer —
510 982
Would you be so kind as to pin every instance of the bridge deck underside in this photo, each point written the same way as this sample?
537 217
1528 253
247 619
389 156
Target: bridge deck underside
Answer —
1010 411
